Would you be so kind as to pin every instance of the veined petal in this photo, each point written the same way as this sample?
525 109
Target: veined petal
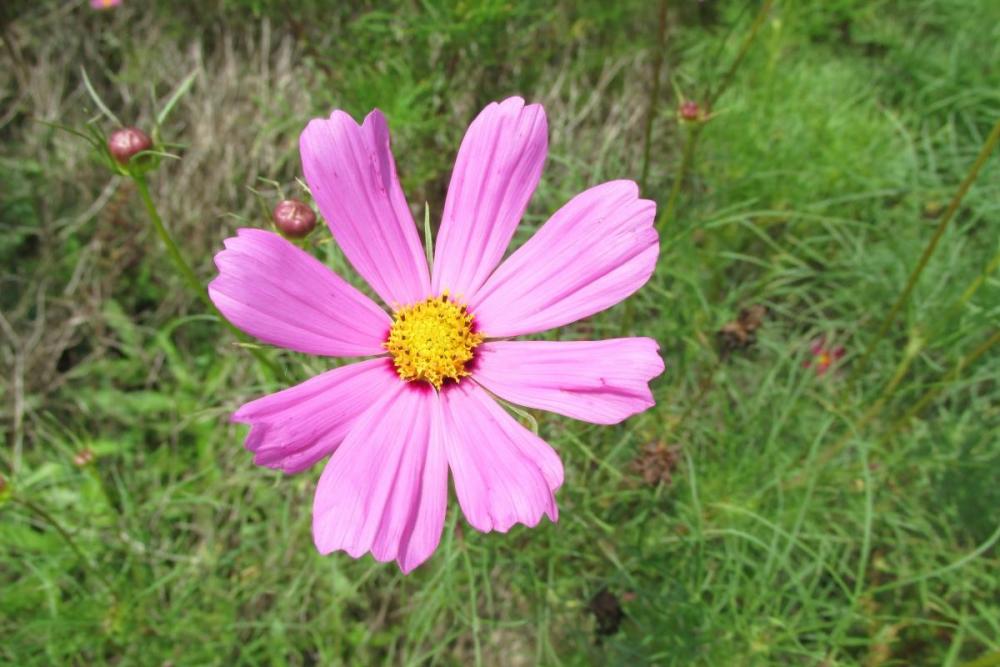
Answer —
596 381
596 250
385 489
352 175
496 172
504 474
294 428
284 296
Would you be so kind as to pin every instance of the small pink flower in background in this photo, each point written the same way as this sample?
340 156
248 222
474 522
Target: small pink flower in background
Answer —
104 4
394 425
822 356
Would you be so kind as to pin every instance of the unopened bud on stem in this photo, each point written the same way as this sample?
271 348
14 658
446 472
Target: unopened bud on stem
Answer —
690 111
125 143
294 218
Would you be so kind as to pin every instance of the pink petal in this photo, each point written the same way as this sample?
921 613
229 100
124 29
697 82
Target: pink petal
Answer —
352 176
596 250
385 490
504 474
293 429
496 172
597 381
284 296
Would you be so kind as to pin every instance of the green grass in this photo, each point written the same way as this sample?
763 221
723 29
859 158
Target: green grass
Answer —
798 526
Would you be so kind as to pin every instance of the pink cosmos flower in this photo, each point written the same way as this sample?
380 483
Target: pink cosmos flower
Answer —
394 425
823 357
104 4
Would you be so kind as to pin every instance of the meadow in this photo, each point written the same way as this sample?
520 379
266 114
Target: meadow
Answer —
817 484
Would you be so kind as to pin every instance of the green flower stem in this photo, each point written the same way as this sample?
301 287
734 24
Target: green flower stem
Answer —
628 314
691 141
988 660
704 386
932 393
914 410
727 78
875 409
687 159
978 282
51 520
188 274
956 200
654 93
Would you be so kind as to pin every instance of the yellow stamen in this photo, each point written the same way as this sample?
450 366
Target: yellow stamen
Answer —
432 341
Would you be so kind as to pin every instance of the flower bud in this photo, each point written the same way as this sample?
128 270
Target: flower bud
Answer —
294 218
104 4
125 143
690 111
83 457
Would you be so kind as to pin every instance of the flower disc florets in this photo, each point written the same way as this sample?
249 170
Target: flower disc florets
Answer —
433 340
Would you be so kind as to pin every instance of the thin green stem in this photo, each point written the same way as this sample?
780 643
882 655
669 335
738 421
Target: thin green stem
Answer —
706 384
873 411
688 155
932 393
727 78
473 607
188 274
628 314
903 298
654 93
915 409
51 520
687 158
973 286
988 660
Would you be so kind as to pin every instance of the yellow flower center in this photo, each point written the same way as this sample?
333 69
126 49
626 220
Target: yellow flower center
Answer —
432 340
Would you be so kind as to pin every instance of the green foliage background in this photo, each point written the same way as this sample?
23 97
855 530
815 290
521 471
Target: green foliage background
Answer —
790 529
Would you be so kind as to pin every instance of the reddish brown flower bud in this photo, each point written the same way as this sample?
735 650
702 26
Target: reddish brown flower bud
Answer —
83 457
125 143
294 218
690 110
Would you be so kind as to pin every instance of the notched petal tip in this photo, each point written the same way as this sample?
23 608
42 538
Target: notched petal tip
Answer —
514 480
294 428
602 382
352 176
282 295
594 252
385 490
497 168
